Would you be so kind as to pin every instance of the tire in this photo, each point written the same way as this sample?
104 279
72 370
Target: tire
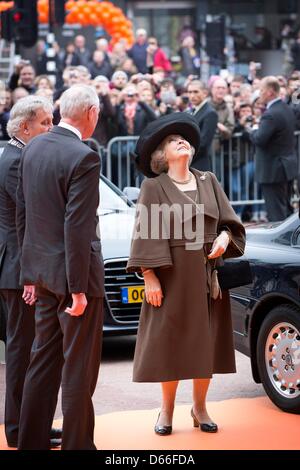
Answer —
278 357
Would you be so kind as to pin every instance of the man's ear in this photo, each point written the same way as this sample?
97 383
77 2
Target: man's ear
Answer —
24 127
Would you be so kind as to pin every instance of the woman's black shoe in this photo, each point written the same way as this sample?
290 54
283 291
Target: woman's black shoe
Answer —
162 430
205 427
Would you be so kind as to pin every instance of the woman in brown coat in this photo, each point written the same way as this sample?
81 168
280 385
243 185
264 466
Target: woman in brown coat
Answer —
183 333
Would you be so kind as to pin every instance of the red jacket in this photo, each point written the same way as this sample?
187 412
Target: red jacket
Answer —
161 60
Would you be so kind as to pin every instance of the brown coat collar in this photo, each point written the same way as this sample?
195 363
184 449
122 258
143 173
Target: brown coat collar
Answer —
205 191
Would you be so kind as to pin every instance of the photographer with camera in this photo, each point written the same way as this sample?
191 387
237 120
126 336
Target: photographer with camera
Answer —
107 113
167 97
132 116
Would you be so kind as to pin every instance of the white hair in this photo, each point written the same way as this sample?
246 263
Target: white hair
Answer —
76 100
25 110
101 78
141 32
119 73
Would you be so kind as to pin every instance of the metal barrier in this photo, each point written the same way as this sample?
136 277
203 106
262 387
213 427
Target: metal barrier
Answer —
233 162
120 167
94 145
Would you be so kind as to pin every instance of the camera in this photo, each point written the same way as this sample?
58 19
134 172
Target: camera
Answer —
258 65
249 119
185 99
168 97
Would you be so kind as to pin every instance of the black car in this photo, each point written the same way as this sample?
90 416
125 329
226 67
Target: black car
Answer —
266 314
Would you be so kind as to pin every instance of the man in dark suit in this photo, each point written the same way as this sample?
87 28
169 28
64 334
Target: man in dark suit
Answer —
207 119
57 201
29 117
276 161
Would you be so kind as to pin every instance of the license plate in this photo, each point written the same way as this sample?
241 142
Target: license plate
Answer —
132 295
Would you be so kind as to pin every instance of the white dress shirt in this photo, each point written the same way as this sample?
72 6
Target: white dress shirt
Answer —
70 128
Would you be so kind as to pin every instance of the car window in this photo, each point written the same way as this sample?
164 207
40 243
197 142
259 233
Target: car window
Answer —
111 199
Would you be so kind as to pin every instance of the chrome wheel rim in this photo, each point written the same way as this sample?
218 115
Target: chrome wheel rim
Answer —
282 359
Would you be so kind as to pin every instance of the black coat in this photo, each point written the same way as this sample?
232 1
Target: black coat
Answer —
9 248
103 69
207 119
59 187
276 159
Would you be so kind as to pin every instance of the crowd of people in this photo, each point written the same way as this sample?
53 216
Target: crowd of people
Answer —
137 86
51 262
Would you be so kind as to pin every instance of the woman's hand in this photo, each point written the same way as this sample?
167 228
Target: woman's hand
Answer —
219 246
153 292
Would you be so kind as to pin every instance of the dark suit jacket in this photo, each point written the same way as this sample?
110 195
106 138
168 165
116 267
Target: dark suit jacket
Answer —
207 119
57 201
276 159
9 248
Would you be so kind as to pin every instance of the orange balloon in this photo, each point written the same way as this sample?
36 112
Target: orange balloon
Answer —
42 8
80 18
117 35
43 18
106 5
69 5
69 18
94 19
86 10
116 20
105 17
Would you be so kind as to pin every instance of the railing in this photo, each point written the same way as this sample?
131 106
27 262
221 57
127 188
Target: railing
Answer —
233 162
120 167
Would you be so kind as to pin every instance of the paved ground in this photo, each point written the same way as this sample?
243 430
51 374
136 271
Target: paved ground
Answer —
116 391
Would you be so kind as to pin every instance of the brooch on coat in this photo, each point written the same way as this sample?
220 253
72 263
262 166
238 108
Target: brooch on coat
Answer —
203 177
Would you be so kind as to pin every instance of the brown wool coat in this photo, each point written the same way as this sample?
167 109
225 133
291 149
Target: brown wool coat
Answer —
190 335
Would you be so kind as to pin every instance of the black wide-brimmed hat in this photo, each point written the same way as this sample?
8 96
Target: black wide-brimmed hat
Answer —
176 123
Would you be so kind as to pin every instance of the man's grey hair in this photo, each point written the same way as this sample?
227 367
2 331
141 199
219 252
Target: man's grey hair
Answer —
159 162
119 73
26 110
76 100
101 79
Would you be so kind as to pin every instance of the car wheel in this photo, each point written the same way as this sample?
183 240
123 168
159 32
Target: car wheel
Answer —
278 357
